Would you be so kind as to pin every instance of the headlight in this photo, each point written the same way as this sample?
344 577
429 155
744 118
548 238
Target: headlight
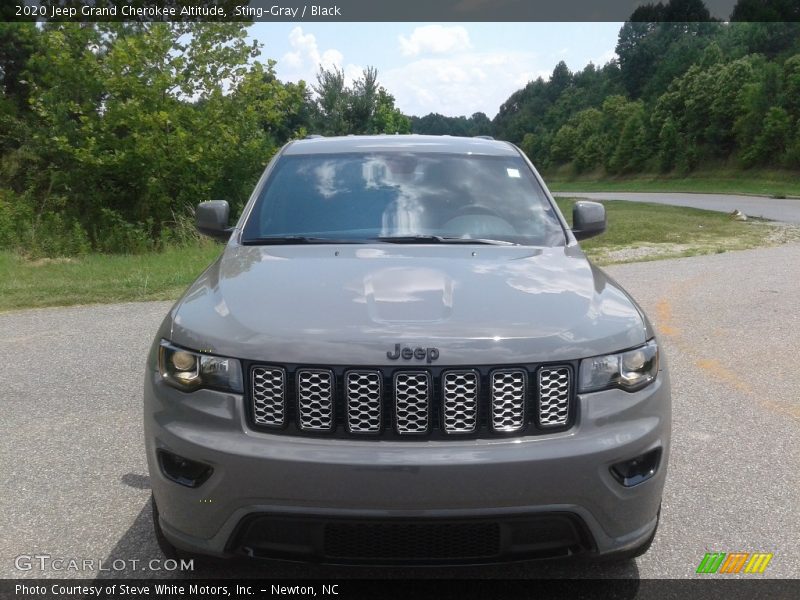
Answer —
187 370
630 371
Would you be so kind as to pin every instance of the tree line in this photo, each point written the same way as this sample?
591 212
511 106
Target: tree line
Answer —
109 132
685 91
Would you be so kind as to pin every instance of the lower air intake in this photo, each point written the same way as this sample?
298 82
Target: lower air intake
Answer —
412 540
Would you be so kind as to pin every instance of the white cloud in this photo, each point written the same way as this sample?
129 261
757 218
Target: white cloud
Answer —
604 58
305 52
305 57
353 72
442 72
462 84
435 39
527 76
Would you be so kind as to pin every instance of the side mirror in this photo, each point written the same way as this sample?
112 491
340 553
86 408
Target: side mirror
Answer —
211 219
588 219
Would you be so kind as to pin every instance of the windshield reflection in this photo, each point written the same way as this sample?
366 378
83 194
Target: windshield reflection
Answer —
363 195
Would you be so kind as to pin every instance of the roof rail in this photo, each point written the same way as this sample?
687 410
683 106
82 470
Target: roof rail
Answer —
483 137
314 136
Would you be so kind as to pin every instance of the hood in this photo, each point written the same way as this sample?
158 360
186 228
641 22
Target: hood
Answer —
351 304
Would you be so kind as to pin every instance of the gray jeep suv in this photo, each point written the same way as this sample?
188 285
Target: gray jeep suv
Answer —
404 356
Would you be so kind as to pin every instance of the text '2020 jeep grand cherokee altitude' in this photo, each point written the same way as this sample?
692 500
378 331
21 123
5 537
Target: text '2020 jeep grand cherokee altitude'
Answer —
403 355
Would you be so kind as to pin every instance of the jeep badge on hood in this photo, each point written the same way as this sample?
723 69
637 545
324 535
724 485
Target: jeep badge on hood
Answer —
430 354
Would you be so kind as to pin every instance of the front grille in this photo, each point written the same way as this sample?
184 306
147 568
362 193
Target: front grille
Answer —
412 392
408 403
315 399
554 387
508 400
269 390
460 401
364 399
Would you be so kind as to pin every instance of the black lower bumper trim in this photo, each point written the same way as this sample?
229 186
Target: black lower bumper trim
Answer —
411 540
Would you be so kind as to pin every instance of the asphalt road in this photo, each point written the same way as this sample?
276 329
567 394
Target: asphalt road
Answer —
787 210
75 484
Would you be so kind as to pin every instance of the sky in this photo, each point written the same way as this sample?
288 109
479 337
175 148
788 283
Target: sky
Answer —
450 68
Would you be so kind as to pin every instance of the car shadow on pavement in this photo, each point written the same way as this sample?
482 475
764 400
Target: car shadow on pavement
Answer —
139 545
139 482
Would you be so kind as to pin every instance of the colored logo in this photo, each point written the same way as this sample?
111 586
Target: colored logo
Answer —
734 562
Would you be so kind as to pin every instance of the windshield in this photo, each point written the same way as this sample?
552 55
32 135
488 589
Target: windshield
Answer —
405 196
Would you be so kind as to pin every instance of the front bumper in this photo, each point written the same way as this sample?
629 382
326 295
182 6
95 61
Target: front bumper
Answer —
317 480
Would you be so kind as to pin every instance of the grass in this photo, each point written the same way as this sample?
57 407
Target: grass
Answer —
641 231
776 184
100 278
636 232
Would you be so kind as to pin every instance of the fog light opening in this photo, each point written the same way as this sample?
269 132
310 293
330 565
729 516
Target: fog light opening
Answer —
637 470
182 470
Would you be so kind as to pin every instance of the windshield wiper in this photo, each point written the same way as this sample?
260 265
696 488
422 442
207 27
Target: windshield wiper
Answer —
394 239
438 239
297 239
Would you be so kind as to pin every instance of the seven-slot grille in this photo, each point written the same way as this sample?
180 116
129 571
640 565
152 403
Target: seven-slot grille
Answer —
315 399
269 391
554 384
412 402
508 400
364 400
412 390
460 401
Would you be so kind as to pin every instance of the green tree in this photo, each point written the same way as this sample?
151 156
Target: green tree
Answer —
18 41
636 53
363 101
590 145
773 141
772 39
617 112
537 146
728 82
528 145
792 157
364 107
479 124
791 85
134 122
712 55
387 118
660 42
565 144
668 141
766 10
631 152
331 102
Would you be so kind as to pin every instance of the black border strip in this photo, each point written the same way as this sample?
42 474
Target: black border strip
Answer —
708 588
361 10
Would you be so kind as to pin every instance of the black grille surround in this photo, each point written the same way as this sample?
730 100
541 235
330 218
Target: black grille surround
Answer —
436 423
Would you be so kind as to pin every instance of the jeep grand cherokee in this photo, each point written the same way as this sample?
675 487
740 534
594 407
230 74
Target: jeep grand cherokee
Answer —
403 355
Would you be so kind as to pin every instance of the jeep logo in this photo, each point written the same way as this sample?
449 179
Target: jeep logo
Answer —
406 353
